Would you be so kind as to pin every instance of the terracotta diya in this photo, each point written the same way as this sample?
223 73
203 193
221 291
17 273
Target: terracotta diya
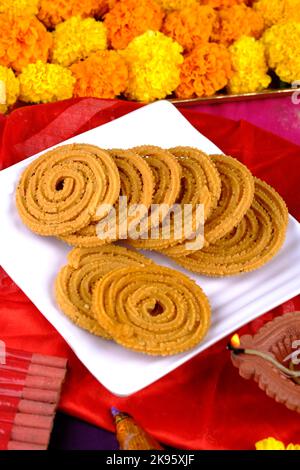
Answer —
272 358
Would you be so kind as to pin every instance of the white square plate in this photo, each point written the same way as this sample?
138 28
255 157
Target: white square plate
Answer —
33 262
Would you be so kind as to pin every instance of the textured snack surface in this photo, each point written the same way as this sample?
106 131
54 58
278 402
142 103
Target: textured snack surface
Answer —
136 184
237 192
200 184
59 192
152 309
75 282
167 178
254 242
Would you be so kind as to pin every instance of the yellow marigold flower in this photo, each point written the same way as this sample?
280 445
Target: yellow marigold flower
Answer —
153 60
273 444
76 39
129 18
293 447
249 66
10 88
190 25
52 12
23 40
206 69
19 7
176 4
278 11
44 83
282 43
237 21
269 444
103 75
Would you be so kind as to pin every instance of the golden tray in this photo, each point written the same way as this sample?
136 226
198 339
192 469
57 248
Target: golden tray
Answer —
224 97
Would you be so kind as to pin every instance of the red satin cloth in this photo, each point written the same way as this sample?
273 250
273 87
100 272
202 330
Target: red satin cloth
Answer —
204 404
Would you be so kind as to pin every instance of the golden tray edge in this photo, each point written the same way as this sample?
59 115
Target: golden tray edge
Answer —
219 98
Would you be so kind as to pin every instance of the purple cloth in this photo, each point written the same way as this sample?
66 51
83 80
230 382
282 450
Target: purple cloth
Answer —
277 115
72 434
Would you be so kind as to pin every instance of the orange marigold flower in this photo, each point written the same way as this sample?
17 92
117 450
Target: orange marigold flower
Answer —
23 40
103 75
111 3
170 5
129 19
190 25
224 3
237 21
52 12
278 11
205 70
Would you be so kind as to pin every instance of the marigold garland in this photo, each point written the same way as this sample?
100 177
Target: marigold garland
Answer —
23 40
237 21
45 83
153 60
76 39
190 26
52 12
249 65
103 75
11 88
129 18
282 43
226 43
223 3
206 69
19 7
273 444
111 3
170 5
278 11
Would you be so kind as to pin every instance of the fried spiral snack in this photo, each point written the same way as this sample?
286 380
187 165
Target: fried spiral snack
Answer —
136 183
167 177
60 192
254 242
200 184
237 192
75 282
199 174
85 238
154 310
166 172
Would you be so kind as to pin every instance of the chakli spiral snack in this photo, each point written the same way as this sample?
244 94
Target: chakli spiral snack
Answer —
254 242
59 193
136 183
152 309
167 177
237 192
200 184
85 238
198 172
166 172
76 280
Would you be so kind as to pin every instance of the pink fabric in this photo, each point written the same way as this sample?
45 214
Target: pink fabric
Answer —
277 115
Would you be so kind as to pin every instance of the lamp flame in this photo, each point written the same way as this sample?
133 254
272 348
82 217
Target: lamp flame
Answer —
235 341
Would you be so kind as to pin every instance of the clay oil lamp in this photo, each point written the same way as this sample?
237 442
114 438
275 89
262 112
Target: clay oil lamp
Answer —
272 358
